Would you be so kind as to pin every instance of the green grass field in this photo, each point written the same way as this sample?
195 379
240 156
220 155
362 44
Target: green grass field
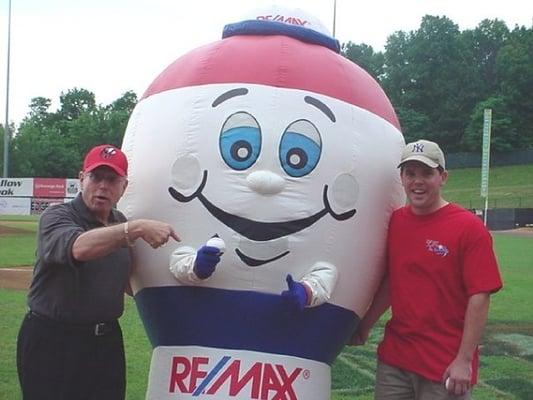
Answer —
18 247
507 351
509 187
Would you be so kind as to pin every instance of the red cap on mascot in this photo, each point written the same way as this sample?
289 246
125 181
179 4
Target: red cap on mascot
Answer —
277 55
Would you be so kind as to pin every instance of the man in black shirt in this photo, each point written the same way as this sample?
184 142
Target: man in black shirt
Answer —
70 343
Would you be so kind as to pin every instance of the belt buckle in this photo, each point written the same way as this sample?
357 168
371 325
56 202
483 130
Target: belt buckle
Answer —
100 329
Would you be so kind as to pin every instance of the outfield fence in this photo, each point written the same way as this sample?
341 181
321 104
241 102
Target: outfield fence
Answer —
506 218
499 202
473 160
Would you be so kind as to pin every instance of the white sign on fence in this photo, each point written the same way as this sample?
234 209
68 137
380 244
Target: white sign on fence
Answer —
485 159
16 187
15 205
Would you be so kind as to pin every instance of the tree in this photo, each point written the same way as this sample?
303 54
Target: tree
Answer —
52 144
2 138
504 136
76 101
364 56
485 42
2 147
125 103
43 152
413 123
39 112
515 69
429 72
396 80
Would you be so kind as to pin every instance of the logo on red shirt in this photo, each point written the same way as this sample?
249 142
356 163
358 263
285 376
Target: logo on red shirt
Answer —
435 247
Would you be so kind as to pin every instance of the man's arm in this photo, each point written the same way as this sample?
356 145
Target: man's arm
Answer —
380 304
102 241
459 371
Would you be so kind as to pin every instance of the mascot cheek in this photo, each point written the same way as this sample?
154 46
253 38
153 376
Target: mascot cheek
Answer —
345 191
186 172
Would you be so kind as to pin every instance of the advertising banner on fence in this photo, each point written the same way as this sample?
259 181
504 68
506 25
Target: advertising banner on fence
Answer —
49 187
15 205
16 187
73 188
38 205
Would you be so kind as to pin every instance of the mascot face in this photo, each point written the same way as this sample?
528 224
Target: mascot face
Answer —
288 152
266 160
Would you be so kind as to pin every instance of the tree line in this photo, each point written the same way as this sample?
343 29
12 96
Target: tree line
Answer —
438 78
53 143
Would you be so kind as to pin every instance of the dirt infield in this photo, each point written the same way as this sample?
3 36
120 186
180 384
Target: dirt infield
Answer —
8 230
15 278
528 231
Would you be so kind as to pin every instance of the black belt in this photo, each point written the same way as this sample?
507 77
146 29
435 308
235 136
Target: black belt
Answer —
96 329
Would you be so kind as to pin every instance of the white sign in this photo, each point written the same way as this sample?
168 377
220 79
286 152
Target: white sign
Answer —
15 206
195 372
72 188
16 187
485 161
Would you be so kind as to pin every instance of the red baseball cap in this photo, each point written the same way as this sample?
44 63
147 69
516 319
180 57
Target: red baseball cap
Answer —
107 155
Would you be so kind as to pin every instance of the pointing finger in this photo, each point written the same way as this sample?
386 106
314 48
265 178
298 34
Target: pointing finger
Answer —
174 235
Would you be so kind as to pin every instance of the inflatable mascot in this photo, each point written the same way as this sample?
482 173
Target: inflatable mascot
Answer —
274 158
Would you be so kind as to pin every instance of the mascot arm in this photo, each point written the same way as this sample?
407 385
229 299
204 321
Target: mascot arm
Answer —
182 265
321 280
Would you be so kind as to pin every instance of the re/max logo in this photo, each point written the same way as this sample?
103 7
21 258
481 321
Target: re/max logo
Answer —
263 380
282 18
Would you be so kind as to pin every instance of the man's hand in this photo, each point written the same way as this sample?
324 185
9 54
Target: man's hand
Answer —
457 377
207 258
155 233
99 242
296 296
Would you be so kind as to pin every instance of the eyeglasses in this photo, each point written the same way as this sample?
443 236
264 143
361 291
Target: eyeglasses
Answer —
99 176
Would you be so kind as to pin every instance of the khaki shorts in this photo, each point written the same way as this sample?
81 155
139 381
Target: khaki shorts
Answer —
397 384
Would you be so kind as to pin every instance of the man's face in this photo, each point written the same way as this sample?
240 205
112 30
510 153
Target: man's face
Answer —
422 185
101 189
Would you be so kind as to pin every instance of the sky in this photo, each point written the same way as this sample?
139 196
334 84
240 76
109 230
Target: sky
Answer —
111 46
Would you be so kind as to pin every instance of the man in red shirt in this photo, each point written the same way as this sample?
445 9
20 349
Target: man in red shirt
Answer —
440 274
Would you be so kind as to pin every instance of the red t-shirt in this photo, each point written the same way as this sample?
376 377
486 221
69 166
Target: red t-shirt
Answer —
435 263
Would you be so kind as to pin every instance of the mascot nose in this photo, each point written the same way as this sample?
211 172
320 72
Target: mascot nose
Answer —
265 182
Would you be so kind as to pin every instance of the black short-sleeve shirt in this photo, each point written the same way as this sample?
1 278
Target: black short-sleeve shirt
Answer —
72 291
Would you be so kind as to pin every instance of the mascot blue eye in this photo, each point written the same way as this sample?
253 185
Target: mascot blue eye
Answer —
300 148
240 141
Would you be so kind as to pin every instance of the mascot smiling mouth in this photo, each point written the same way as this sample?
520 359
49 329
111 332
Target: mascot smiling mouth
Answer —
255 230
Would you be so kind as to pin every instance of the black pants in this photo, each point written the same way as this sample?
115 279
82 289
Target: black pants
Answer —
56 361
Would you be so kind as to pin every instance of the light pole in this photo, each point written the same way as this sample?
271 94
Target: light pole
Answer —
6 126
334 15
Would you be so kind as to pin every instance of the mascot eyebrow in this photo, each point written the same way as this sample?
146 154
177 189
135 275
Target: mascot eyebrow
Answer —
228 95
321 106
243 91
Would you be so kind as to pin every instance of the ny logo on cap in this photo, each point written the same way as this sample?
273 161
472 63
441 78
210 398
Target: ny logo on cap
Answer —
418 148
108 152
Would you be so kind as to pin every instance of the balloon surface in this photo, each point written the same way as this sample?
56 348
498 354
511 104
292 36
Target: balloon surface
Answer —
287 152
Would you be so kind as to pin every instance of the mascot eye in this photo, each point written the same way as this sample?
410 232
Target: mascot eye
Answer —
240 141
300 148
